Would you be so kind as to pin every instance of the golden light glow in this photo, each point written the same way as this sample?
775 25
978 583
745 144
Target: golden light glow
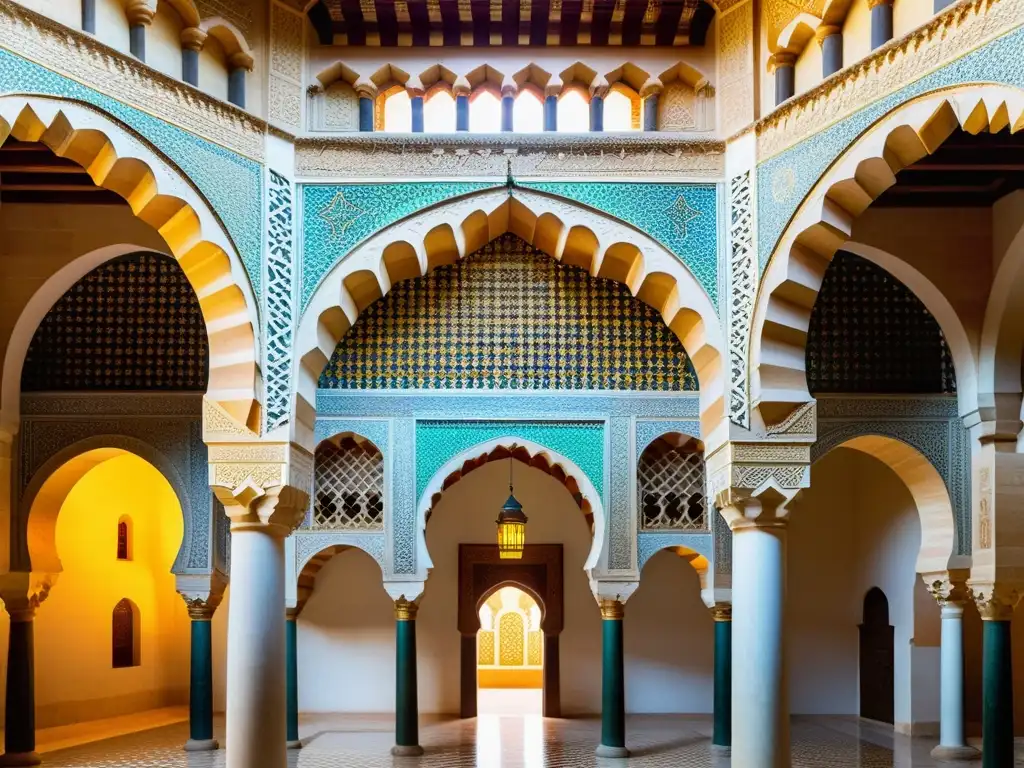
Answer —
511 539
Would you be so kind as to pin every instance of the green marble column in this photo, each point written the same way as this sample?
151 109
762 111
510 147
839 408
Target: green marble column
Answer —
613 682
291 671
721 740
997 689
200 699
407 736
20 715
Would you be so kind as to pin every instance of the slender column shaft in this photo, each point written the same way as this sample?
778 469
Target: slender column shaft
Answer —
417 114
407 732
190 66
20 714
596 113
89 16
236 87
785 82
760 708
291 673
256 732
722 734
552 678
462 112
200 700
467 681
997 695
365 114
952 744
613 682
831 54
651 112
508 103
137 41
881 23
551 113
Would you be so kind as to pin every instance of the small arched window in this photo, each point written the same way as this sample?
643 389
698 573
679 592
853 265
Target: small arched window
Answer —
124 538
397 112
484 112
573 111
439 111
125 635
528 112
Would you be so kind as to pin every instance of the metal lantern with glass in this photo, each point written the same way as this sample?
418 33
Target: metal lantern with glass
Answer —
511 523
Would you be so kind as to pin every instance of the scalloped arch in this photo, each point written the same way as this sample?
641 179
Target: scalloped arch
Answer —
161 196
566 231
824 221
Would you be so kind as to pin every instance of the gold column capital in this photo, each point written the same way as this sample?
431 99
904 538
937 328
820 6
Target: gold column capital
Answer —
948 587
826 30
405 610
200 609
23 592
995 601
140 12
721 612
612 610
193 39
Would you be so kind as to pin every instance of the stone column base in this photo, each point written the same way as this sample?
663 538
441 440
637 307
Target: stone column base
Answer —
297 744
955 754
603 751
721 750
403 750
20 758
201 745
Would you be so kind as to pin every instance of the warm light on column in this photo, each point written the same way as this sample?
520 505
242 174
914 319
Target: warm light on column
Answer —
511 524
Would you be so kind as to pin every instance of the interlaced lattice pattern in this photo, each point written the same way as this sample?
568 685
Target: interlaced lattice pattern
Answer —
349 487
742 287
279 300
670 484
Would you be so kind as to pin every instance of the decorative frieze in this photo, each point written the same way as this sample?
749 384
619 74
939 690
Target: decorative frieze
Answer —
742 290
84 59
426 156
956 31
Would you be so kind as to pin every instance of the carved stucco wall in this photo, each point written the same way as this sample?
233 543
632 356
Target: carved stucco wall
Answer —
170 426
285 98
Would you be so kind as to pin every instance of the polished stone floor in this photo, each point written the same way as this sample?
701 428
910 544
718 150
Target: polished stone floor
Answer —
517 742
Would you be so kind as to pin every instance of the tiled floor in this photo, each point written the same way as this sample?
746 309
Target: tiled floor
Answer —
516 742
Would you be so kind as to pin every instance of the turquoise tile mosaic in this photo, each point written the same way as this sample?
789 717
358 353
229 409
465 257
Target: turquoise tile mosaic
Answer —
785 180
337 217
682 217
232 184
437 442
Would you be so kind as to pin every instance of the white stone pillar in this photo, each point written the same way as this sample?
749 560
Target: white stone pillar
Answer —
760 701
949 589
256 699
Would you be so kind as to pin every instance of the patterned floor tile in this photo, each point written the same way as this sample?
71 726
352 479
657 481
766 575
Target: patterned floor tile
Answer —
668 741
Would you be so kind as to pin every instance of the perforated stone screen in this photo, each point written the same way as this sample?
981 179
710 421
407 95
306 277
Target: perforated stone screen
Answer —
349 492
670 488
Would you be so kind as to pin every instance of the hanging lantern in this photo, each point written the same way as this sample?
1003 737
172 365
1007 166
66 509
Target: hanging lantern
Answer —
511 525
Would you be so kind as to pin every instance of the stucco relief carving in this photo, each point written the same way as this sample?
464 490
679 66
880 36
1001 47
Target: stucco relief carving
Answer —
286 51
82 58
959 29
376 156
736 67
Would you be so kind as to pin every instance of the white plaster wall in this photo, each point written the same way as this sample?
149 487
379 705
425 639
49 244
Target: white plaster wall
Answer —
346 632
855 528
163 41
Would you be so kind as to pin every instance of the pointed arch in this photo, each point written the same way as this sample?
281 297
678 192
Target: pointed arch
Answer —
824 221
566 231
161 196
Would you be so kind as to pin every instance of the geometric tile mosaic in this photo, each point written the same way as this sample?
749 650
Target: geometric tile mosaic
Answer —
510 317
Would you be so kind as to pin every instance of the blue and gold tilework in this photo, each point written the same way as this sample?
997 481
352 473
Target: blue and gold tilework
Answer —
682 217
785 180
510 317
232 184
337 217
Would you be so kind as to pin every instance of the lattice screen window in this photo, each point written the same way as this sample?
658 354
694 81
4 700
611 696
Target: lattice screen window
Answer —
670 485
349 486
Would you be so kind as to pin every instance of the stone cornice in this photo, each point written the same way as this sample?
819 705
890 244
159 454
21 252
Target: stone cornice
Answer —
375 155
81 57
951 34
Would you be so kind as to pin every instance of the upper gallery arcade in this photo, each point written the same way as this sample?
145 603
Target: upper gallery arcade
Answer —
716 306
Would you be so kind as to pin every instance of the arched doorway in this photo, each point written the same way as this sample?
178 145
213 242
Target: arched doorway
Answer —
877 661
510 654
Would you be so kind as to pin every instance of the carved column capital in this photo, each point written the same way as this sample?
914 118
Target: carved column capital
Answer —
826 30
554 87
23 592
721 612
193 39
241 60
753 483
872 4
612 609
366 89
949 588
140 12
405 610
414 87
599 88
202 593
781 59
652 87
995 601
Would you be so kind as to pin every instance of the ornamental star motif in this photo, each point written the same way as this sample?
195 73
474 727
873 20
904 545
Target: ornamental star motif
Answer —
340 214
681 214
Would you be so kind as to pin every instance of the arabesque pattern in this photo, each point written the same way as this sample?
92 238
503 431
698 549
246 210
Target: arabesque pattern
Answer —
349 492
670 489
